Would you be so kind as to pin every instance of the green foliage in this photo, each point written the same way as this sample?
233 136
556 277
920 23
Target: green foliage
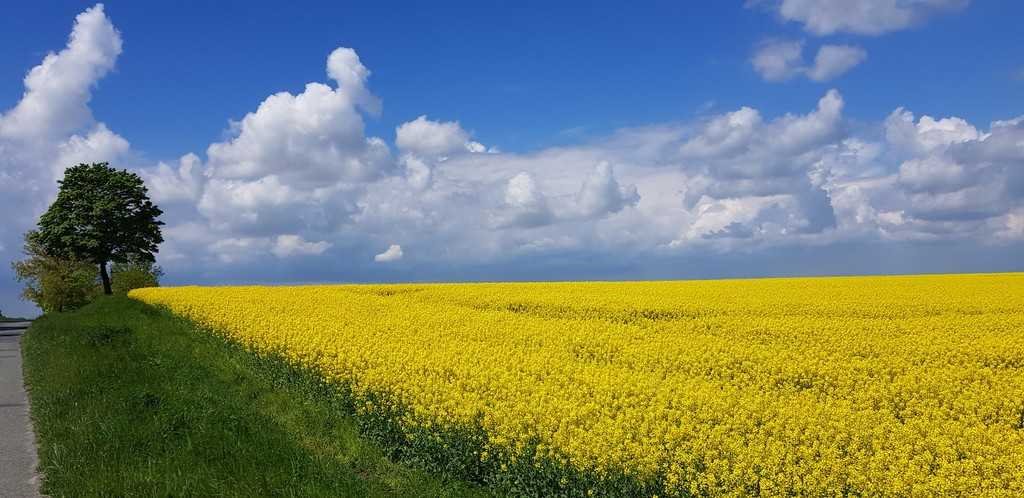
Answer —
54 284
101 215
128 400
134 275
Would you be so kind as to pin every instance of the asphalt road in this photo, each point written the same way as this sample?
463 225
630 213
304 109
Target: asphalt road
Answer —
17 443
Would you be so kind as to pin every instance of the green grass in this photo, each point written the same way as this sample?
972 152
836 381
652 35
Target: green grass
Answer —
128 400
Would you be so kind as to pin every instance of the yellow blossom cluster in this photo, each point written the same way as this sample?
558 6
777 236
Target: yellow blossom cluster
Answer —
906 385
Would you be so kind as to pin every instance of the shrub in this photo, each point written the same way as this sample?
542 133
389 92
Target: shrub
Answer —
134 275
54 284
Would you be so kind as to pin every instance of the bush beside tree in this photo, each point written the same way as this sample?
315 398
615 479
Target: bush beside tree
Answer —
54 284
134 275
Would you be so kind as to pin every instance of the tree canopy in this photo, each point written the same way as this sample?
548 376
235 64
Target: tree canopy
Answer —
101 215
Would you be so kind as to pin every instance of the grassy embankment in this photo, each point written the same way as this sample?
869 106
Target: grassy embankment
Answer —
128 400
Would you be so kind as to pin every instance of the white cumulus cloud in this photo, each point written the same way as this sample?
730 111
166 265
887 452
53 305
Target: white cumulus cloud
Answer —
52 127
434 138
294 245
835 60
393 253
313 137
176 184
781 60
525 203
601 193
864 17
57 91
298 162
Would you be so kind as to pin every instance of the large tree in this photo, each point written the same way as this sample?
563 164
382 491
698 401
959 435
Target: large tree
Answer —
101 215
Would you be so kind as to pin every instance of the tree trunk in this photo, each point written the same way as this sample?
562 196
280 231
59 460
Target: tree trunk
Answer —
106 278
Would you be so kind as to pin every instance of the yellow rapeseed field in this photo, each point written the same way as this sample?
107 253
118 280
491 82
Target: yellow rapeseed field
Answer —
907 385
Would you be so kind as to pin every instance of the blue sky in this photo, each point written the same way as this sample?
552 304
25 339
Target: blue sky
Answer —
522 75
560 140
